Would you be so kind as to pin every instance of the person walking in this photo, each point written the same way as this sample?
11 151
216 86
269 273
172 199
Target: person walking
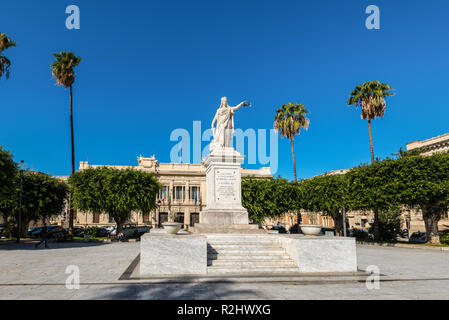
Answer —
44 233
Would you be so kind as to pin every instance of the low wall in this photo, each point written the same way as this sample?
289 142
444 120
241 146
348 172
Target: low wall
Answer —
162 254
321 254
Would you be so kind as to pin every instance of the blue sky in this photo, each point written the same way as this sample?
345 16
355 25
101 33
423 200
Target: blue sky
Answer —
150 67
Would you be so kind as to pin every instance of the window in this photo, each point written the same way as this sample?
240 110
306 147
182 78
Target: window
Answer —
194 194
96 218
364 221
163 193
178 193
146 217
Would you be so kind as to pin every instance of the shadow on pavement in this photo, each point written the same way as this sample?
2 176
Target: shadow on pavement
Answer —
178 291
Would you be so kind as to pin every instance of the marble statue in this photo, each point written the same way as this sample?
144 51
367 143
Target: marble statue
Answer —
224 117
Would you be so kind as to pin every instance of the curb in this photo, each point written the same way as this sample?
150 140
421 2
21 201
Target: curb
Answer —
401 245
104 241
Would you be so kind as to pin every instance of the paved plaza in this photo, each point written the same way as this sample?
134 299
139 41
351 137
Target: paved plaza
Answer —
28 273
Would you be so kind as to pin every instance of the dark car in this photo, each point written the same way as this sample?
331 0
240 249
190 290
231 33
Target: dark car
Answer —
77 231
32 229
280 228
327 231
404 233
3 233
418 237
53 232
132 231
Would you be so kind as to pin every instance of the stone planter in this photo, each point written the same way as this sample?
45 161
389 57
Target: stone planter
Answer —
172 227
310 229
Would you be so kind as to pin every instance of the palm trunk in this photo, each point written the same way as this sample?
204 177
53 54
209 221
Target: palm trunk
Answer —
294 160
370 133
376 230
71 213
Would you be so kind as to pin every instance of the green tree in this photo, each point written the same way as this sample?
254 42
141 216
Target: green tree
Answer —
42 197
62 70
268 197
325 194
389 224
8 175
373 188
5 43
289 120
423 182
371 97
115 192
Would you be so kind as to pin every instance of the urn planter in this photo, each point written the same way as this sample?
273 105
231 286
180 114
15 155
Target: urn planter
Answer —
310 229
172 227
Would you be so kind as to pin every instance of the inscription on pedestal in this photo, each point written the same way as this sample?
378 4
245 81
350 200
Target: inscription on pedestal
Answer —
225 185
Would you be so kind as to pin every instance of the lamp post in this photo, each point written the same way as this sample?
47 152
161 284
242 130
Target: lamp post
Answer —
344 215
19 213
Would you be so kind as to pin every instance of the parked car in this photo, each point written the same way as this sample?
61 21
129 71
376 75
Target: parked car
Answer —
3 233
77 231
113 232
418 237
32 229
361 234
280 228
105 231
324 230
404 233
53 232
132 231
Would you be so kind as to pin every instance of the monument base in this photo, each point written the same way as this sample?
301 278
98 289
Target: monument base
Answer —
226 221
205 228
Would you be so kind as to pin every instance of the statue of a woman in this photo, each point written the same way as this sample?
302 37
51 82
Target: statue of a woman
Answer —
225 124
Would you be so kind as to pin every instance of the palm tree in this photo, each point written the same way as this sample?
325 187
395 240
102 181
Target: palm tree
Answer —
62 70
371 97
5 43
289 120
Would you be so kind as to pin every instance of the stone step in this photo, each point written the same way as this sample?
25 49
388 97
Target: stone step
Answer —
251 270
244 242
241 237
249 251
236 264
246 256
243 246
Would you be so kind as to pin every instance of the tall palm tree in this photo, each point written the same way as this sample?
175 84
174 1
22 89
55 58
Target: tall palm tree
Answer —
371 97
62 70
289 120
5 43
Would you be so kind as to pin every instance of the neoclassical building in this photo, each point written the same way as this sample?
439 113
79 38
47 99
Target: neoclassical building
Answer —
181 198
430 146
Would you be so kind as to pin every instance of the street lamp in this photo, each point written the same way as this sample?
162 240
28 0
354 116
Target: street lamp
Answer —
344 215
19 213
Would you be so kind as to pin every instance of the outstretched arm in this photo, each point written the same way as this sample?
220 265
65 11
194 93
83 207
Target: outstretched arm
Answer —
244 103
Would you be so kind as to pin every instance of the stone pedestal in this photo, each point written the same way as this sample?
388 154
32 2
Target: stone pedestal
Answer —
224 212
162 254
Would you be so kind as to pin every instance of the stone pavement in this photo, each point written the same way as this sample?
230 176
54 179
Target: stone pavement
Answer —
28 273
